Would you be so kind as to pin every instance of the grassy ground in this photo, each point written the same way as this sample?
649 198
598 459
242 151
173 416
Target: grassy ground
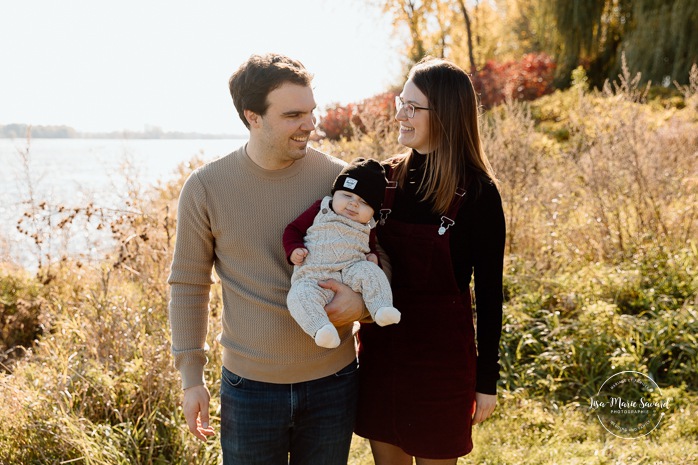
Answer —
536 432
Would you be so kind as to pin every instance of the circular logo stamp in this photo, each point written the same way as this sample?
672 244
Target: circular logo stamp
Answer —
629 405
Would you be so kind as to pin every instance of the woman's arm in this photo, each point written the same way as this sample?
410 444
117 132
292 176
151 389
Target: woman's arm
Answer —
488 262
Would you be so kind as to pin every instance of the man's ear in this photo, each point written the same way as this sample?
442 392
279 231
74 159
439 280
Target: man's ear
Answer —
253 118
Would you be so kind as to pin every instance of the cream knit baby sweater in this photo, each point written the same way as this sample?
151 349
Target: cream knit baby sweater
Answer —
231 217
334 242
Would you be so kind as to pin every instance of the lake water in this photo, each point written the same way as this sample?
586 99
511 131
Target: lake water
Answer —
76 171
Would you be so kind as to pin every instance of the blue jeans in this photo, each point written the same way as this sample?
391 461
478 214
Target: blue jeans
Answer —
261 423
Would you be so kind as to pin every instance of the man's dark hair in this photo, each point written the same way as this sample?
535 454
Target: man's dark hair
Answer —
259 75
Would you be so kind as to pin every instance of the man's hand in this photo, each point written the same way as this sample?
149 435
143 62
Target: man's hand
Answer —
346 306
195 406
298 256
484 406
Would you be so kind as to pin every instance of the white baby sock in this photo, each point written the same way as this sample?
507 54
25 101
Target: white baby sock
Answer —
327 336
387 316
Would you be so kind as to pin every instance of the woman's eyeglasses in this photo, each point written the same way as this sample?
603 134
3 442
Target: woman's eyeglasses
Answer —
410 108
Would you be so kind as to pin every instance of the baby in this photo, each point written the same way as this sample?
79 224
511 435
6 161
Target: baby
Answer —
331 240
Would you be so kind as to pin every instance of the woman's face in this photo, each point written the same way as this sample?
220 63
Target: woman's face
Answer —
414 132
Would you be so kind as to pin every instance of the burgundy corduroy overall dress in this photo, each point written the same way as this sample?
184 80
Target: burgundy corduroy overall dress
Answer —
417 377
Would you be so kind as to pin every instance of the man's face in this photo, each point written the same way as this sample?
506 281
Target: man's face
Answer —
288 122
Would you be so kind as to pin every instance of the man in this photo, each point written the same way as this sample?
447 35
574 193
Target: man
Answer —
281 394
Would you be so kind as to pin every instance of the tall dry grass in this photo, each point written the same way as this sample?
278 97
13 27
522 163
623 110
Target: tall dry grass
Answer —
97 386
623 181
599 191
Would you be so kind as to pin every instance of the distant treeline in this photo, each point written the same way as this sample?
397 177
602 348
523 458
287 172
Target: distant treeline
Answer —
21 131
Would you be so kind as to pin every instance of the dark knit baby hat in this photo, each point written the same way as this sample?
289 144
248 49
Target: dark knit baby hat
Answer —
365 178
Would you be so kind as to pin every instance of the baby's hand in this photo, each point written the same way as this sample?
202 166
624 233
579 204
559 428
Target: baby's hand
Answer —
371 257
298 256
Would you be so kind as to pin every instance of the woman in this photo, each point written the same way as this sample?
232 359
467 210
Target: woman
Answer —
420 390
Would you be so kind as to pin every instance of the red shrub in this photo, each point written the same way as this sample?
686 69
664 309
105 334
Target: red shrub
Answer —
527 79
342 121
336 121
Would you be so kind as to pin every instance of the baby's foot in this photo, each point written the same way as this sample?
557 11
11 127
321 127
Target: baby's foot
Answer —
387 316
327 336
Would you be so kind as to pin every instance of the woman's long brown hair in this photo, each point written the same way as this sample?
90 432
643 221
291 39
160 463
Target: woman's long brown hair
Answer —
458 160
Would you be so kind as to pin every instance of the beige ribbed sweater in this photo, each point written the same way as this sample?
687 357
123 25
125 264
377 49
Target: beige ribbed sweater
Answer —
232 215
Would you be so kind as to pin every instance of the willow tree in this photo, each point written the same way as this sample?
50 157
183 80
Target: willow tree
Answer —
659 37
590 32
663 40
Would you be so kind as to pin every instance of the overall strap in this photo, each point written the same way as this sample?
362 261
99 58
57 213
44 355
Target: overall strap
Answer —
387 201
448 219
389 197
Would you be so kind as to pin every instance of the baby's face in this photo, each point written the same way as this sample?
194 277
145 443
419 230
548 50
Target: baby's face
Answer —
350 205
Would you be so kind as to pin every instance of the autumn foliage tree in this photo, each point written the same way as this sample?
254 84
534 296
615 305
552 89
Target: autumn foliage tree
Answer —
658 37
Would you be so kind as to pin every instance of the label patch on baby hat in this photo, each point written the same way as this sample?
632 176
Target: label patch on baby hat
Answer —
350 183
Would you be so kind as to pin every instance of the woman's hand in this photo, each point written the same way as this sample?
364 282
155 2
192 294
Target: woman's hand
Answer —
484 406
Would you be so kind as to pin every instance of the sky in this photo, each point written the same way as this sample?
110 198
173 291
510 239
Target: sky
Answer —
101 66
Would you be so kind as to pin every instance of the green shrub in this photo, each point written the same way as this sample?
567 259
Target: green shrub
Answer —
565 334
